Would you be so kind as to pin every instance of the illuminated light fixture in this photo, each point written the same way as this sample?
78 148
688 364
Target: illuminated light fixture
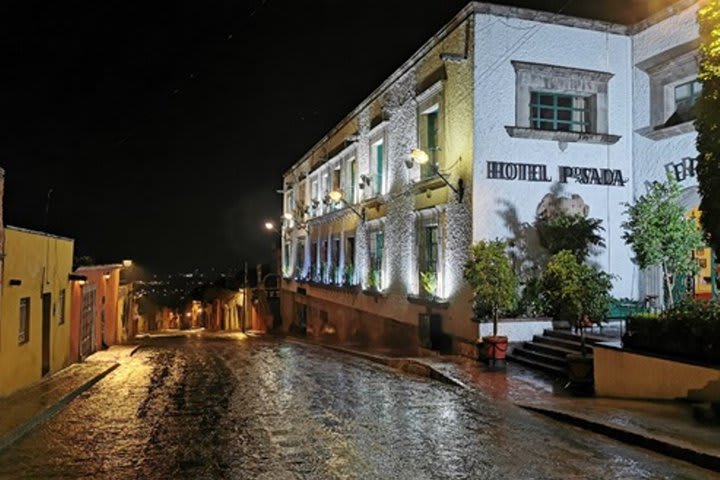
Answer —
199 310
420 157
188 314
337 196
269 226
106 276
287 216
82 282
127 263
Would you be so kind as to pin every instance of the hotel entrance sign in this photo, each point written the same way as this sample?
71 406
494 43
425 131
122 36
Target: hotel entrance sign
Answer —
538 173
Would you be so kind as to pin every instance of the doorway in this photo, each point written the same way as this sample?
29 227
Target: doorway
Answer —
46 309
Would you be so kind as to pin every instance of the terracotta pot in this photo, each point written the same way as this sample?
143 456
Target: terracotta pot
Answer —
495 348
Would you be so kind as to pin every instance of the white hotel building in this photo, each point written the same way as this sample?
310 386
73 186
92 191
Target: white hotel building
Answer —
510 104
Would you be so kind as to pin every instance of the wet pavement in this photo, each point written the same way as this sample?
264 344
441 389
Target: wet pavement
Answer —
201 407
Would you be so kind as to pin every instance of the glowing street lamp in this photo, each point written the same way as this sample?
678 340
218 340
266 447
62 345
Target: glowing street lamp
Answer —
337 196
419 156
269 226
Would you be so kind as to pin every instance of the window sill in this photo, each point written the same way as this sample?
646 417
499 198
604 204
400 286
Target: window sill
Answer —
433 302
429 183
667 132
374 292
561 136
335 288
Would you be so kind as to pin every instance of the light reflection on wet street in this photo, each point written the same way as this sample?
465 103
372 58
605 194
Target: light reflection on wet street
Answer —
215 408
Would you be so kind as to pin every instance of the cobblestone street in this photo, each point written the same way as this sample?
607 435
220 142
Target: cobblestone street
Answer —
200 407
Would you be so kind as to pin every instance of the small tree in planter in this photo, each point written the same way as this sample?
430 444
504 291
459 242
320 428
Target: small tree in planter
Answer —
494 284
579 294
428 282
661 235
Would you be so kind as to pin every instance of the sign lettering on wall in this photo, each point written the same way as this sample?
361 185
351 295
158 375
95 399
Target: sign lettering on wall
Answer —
683 169
538 173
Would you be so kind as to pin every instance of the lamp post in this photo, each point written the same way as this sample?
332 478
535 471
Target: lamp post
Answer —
271 227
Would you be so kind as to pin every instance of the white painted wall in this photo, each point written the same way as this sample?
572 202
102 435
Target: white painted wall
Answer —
498 42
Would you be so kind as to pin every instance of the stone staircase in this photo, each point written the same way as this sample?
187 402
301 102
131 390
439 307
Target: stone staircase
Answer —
547 352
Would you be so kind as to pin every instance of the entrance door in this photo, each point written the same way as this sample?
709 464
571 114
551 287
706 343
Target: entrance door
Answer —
46 308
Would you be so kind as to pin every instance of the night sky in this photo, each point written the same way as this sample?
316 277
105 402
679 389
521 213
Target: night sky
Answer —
163 127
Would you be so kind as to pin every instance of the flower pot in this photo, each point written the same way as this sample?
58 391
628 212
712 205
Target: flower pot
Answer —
493 350
580 373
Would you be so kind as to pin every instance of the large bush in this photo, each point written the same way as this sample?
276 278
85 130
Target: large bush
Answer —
707 122
690 330
573 291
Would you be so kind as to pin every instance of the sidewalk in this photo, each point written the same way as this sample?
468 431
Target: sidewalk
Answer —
33 406
665 427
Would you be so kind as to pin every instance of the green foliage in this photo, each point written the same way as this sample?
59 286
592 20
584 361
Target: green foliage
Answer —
707 121
349 275
374 279
690 329
660 233
429 282
575 233
573 291
492 279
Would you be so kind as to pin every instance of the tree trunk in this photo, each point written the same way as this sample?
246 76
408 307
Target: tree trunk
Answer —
495 323
670 301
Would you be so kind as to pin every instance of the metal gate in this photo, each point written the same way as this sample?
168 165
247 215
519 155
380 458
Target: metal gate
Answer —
87 321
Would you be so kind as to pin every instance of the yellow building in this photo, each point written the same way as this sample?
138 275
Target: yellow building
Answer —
34 307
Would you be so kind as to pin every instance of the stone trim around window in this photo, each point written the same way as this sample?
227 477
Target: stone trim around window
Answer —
562 136
531 77
666 70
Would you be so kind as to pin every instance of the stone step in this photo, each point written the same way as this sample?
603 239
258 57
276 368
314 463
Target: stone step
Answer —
551 369
558 342
547 349
568 335
540 357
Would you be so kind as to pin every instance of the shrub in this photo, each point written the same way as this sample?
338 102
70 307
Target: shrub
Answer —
575 292
690 329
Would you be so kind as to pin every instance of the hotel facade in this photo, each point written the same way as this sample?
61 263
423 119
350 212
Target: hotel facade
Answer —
501 111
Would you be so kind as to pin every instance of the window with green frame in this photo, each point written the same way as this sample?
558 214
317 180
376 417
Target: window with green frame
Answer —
556 111
352 168
377 249
379 160
430 139
430 249
686 96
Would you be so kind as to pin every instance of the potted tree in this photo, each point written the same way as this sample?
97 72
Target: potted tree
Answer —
494 285
579 294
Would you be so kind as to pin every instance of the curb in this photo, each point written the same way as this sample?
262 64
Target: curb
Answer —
404 364
42 417
659 445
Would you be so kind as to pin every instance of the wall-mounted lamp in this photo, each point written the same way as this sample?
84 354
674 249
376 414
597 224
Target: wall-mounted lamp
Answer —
420 157
288 216
364 181
337 196
106 276
127 263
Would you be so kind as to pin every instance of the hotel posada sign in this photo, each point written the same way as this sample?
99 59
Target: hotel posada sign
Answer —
531 172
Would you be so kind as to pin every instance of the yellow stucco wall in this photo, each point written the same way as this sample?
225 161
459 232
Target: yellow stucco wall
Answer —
629 375
42 263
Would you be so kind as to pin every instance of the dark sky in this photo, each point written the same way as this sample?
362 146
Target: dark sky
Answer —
163 127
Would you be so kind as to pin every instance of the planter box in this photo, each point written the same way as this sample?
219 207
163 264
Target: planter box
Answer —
631 374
